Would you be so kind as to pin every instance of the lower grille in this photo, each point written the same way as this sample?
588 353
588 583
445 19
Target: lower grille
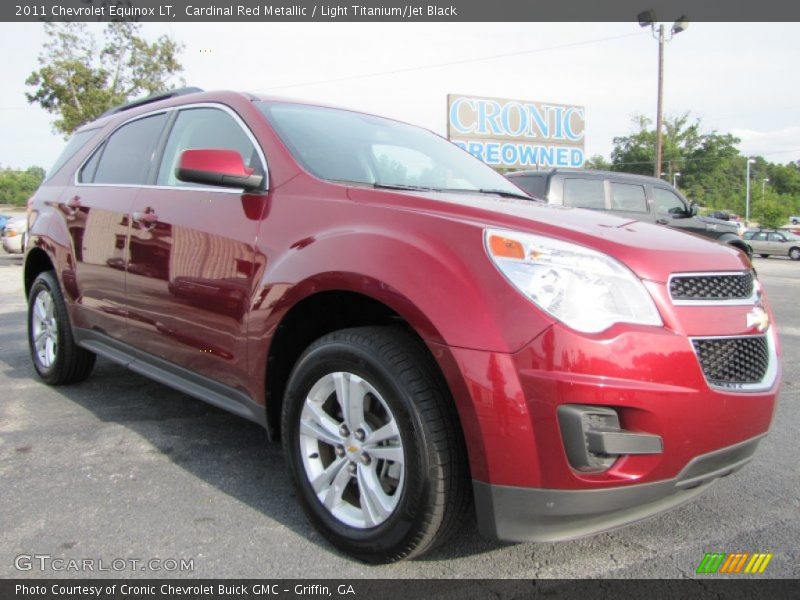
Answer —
733 361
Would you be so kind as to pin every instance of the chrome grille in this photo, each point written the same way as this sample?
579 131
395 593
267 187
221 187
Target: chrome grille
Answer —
712 286
735 361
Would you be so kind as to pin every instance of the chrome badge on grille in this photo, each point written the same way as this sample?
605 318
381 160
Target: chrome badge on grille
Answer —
758 318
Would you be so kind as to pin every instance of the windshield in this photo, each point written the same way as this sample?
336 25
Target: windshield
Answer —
341 145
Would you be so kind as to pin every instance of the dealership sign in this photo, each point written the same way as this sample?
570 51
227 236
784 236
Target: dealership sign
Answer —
517 133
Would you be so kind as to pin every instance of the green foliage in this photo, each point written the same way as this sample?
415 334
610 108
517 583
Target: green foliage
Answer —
770 210
712 171
80 78
597 162
17 186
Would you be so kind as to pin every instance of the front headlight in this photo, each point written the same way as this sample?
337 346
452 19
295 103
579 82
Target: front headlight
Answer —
585 289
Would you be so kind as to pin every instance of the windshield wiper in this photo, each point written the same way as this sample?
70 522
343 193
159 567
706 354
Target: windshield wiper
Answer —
506 194
401 186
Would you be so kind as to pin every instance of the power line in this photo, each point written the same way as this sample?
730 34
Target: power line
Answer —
451 63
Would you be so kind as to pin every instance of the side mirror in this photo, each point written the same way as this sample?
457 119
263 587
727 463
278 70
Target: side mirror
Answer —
224 168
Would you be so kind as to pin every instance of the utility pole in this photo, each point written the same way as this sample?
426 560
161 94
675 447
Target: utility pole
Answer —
750 161
660 109
648 19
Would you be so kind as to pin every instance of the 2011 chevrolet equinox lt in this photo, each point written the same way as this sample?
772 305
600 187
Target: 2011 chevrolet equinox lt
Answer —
419 334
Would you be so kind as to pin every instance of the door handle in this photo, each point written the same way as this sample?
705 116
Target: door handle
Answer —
147 217
662 221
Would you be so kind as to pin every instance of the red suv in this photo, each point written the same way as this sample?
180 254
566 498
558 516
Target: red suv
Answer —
418 332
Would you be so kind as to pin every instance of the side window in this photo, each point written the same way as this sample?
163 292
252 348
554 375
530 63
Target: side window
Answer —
760 237
628 197
128 153
776 237
584 193
668 202
205 128
86 174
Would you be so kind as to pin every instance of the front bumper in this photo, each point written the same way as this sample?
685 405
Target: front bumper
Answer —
520 514
524 483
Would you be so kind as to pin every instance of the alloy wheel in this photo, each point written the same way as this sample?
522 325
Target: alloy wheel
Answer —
351 450
44 327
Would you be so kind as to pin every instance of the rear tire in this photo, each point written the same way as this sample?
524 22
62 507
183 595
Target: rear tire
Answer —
386 500
55 355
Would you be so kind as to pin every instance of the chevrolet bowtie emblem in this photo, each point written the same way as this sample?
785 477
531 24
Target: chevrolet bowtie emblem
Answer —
758 318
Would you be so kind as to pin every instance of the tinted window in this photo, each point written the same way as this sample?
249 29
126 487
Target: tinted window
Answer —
129 152
625 196
776 237
90 168
759 237
533 184
668 202
584 193
199 128
75 143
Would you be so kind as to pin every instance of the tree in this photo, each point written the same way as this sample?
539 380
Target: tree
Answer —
771 210
711 169
78 83
17 186
597 162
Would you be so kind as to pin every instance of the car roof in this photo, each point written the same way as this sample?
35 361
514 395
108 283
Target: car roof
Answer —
593 174
194 96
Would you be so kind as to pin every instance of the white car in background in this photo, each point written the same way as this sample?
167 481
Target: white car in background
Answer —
14 235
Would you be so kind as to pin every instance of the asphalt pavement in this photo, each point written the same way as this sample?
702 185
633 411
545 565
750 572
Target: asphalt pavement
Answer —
122 468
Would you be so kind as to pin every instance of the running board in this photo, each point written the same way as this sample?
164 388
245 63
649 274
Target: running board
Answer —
172 375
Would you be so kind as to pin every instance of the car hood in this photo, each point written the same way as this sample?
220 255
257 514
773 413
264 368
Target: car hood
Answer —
653 252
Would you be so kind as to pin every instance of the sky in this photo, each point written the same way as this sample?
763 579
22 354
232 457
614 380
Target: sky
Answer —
738 78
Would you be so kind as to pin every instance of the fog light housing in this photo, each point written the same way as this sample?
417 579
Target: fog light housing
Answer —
593 439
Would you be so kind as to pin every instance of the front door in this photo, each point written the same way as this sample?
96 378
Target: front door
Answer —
191 273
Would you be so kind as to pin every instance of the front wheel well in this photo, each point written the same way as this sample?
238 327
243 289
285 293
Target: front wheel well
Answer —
309 320
36 262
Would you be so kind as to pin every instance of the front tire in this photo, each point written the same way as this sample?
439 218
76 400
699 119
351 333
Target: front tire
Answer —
373 445
764 255
55 355
794 253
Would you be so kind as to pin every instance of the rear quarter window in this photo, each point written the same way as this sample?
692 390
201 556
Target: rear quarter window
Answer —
75 143
535 185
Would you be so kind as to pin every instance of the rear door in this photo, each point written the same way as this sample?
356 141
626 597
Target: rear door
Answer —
96 209
191 272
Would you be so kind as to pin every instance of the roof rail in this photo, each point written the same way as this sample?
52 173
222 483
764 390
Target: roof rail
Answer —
154 98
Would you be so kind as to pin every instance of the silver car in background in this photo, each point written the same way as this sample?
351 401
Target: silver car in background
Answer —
774 243
14 235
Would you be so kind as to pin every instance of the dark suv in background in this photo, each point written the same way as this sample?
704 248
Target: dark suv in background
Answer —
636 196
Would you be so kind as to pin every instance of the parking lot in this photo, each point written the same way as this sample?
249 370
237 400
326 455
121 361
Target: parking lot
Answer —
122 467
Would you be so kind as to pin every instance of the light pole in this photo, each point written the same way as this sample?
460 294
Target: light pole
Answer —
750 161
675 179
648 18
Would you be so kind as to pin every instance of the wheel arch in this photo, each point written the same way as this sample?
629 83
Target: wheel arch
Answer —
37 261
